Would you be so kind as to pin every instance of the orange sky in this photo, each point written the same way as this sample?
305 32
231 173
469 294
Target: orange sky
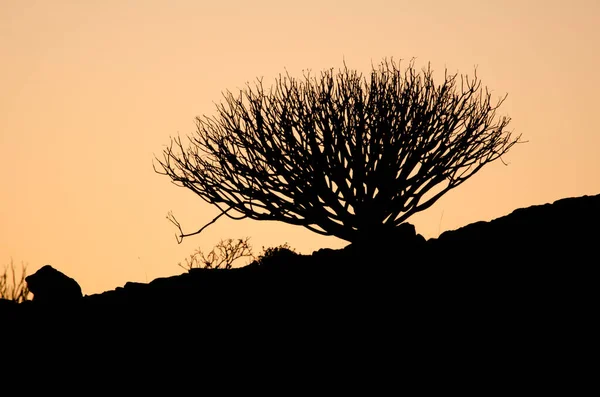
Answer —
90 91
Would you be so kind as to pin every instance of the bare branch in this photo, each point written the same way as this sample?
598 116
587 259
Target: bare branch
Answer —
181 235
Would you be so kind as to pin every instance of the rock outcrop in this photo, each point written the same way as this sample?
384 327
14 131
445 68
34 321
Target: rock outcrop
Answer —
50 286
564 232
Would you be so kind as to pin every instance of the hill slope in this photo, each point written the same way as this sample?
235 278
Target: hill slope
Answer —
535 260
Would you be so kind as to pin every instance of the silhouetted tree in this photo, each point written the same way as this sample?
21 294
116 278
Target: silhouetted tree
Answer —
338 154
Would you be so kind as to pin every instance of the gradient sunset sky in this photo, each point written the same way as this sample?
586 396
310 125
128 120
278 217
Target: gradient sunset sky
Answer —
91 91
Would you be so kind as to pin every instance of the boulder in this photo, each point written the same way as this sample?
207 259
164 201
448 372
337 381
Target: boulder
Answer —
49 285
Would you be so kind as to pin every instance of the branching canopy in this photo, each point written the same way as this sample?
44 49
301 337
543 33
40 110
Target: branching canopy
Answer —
339 154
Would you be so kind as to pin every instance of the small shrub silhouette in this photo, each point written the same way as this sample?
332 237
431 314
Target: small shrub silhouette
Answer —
221 256
275 253
12 287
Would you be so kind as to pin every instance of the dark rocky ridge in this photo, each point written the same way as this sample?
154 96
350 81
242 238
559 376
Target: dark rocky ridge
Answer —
536 261
492 305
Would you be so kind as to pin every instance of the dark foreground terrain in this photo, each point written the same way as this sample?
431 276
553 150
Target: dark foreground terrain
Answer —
535 250
521 287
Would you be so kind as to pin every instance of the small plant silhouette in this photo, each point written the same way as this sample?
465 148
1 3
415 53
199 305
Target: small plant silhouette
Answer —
12 287
221 256
275 252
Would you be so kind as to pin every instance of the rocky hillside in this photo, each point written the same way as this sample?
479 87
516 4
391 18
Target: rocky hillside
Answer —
543 252
491 305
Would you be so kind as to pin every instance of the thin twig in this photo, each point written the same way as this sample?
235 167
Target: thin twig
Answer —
181 236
